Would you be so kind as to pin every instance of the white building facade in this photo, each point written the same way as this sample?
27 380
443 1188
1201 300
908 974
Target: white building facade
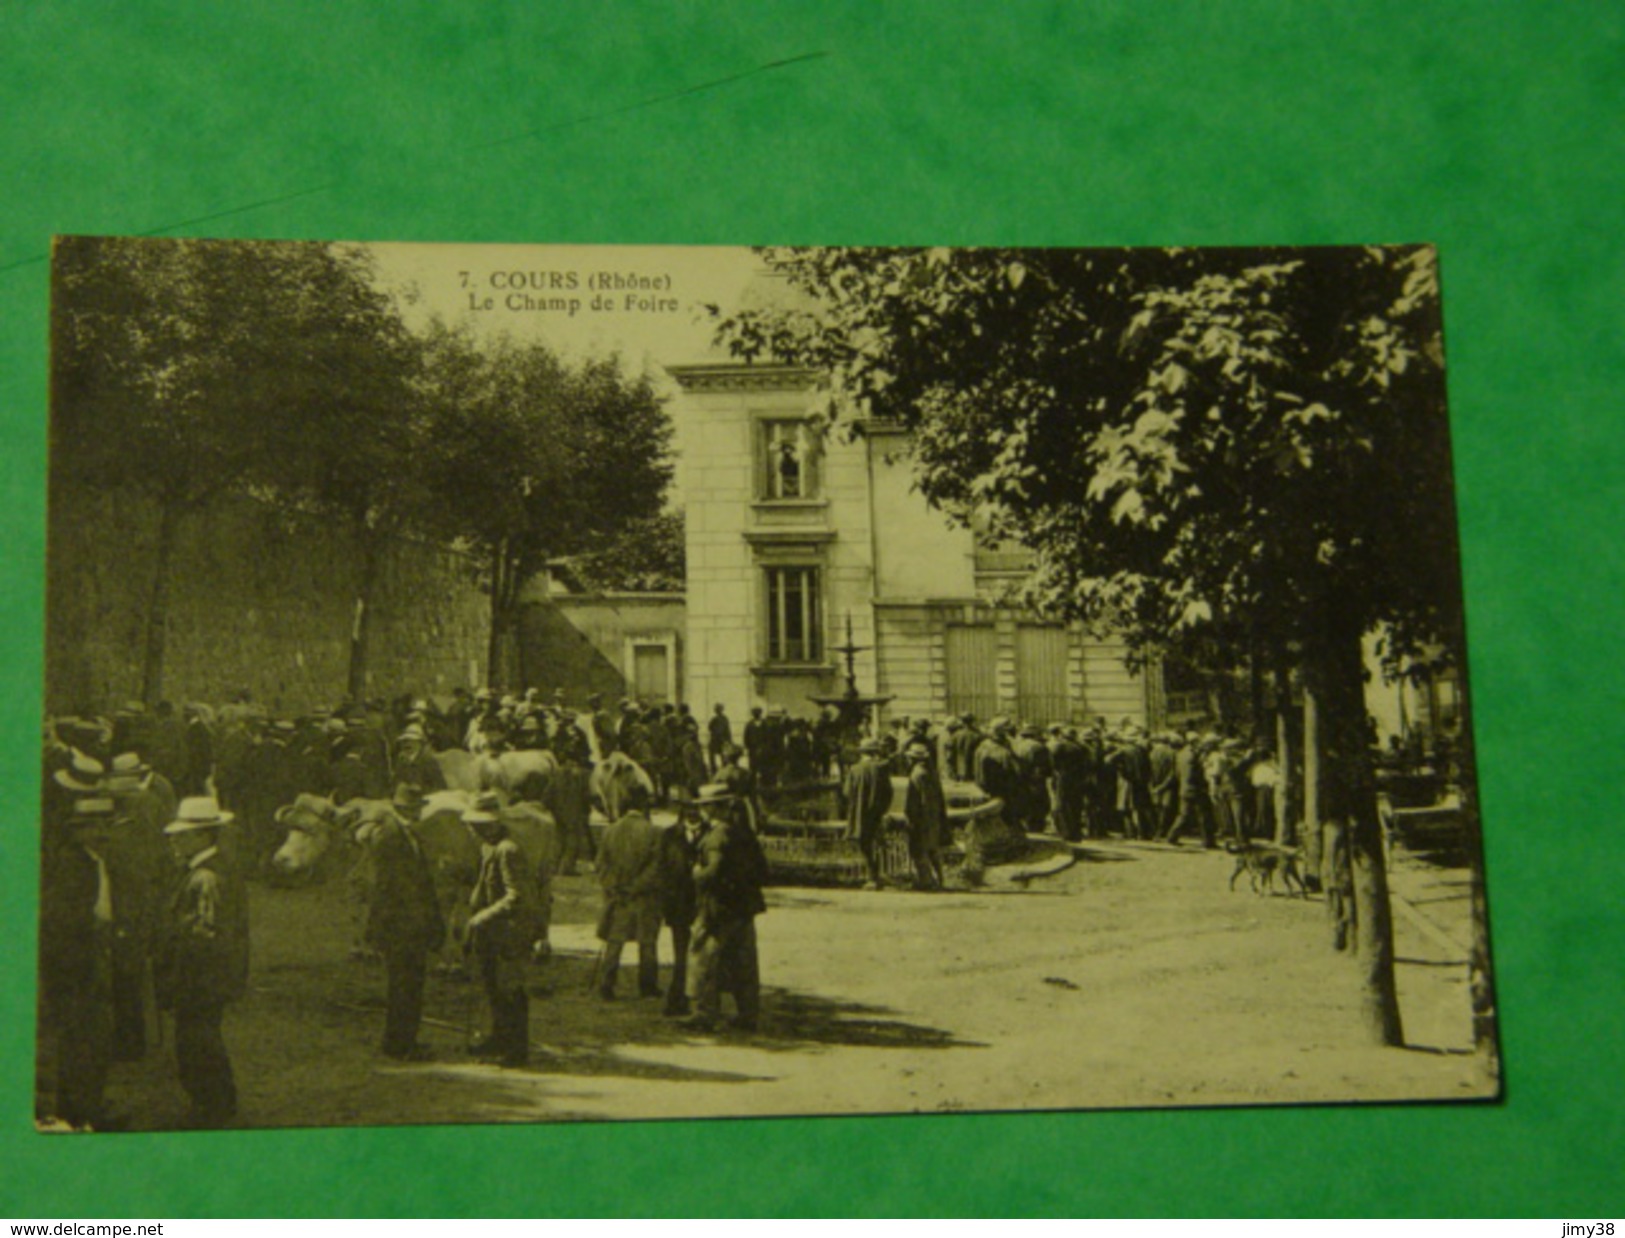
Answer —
793 533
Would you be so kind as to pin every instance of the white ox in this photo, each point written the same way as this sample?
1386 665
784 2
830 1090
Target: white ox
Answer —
318 829
504 773
612 778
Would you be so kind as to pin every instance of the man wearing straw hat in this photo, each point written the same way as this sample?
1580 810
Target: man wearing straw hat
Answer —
728 880
203 959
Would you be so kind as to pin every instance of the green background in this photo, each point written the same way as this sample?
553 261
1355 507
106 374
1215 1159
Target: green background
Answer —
1494 130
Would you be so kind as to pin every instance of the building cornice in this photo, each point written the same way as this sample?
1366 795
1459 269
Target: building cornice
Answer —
788 536
737 376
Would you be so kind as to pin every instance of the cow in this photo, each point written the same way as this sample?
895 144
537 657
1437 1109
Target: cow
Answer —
318 829
461 769
528 769
612 778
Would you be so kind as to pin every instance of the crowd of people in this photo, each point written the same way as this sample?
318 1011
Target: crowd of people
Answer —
156 821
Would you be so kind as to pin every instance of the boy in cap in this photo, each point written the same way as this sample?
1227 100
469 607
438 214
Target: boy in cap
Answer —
202 963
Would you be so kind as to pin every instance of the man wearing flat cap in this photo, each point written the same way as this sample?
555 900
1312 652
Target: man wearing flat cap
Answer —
868 799
202 960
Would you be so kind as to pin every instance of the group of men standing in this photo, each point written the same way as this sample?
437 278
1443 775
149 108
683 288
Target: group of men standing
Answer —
702 879
145 902
1088 782
143 912
1095 781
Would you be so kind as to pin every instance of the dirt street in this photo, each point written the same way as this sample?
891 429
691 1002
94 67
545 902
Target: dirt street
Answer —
1133 978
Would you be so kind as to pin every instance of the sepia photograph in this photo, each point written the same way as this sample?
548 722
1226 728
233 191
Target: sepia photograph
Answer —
534 683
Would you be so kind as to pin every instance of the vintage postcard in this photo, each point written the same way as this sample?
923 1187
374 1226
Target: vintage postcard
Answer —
504 684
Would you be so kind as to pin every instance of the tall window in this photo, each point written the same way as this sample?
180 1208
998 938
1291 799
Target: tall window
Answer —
789 464
794 623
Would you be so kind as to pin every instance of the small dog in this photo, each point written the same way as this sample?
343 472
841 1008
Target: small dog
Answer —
1262 861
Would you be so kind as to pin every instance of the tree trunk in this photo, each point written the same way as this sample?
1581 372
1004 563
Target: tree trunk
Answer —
1255 686
493 648
157 625
1288 793
1349 799
1480 981
361 623
1314 853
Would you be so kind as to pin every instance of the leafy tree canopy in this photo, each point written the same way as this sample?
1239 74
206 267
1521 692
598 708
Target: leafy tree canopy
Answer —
1195 442
647 556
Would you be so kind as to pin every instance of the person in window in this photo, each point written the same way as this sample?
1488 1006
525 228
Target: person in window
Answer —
789 465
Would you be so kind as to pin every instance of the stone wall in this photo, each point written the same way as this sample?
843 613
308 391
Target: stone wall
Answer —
260 599
583 643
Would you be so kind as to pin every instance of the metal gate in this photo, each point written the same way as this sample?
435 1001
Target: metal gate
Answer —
973 670
1041 654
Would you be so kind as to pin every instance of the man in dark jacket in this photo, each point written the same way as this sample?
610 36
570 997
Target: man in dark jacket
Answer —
868 799
199 753
140 868
629 872
679 901
403 920
927 814
75 958
967 741
1032 759
1133 765
1164 783
756 744
203 959
1194 805
997 772
728 881
719 734
414 763
690 758
1071 776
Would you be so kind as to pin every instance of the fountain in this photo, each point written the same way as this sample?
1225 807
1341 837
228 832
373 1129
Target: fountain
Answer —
851 707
